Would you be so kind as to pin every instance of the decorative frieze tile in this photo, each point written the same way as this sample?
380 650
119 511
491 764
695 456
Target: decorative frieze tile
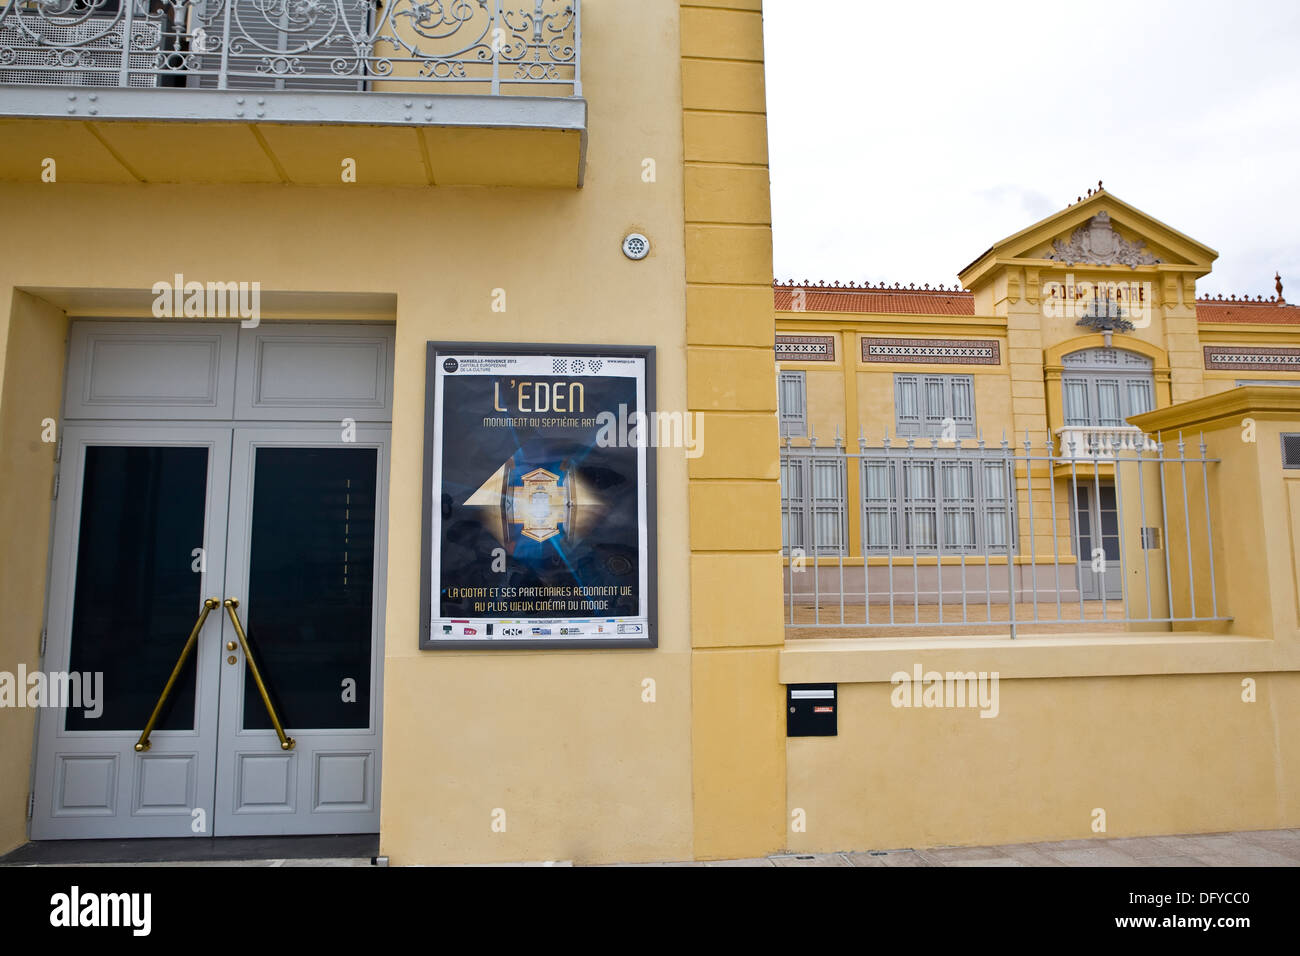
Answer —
805 348
1256 358
932 351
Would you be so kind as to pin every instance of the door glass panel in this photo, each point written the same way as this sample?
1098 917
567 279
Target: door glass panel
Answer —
136 593
1108 518
1083 515
310 586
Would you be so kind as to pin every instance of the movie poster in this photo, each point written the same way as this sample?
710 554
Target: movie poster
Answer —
539 528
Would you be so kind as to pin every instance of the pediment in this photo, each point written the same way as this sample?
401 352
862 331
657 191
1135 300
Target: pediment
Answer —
1101 230
1100 241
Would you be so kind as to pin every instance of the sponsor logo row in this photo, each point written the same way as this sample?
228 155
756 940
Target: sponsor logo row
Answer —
510 629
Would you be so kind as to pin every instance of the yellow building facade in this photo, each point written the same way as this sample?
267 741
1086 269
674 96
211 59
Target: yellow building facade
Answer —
1070 360
491 206
565 179
1056 338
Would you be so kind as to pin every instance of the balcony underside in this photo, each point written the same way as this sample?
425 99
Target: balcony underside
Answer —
113 135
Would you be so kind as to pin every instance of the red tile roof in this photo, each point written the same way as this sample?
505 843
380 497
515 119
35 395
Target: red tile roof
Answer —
1266 311
889 301
894 300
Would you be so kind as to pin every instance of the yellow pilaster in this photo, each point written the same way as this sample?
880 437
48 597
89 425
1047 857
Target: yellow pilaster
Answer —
738 743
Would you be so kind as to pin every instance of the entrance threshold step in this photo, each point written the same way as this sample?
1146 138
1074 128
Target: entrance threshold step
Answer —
339 849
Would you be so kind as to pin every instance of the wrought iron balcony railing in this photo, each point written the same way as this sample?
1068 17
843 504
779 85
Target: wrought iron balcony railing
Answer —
530 47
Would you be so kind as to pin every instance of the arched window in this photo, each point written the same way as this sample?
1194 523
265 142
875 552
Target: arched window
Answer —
1102 387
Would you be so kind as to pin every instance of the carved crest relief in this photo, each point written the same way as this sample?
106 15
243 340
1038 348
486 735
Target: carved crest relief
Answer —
1096 243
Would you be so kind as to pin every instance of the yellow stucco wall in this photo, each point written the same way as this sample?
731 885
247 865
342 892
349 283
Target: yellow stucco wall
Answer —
561 740
33 343
1159 754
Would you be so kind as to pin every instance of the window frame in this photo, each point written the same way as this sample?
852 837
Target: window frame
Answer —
790 424
918 487
1123 369
913 415
802 508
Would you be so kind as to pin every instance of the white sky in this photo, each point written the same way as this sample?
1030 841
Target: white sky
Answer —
908 137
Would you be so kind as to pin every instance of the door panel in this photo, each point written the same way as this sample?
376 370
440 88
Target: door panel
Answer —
138 512
306 541
312 372
151 370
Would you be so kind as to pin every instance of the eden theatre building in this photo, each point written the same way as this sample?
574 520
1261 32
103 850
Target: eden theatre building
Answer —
392 443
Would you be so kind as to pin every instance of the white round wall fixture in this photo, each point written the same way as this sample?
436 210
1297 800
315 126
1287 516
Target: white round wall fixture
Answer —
636 246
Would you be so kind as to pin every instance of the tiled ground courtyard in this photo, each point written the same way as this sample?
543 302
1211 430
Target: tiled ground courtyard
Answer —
1249 848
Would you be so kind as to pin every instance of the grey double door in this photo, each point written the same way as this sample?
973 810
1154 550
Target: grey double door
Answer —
217 582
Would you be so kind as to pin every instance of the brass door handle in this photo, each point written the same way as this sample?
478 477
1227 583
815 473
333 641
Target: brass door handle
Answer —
143 743
286 743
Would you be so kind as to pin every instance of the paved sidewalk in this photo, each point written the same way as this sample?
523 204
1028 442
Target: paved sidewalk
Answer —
1245 848
1240 849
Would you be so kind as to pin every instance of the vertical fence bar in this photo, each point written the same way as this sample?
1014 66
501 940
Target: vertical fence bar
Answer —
1146 539
1009 478
577 47
940 503
1187 523
223 77
1074 506
841 508
1209 539
812 526
1119 521
128 21
916 572
1164 517
497 40
895 520
1051 496
988 557
1098 533
787 579
977 495
862 518
1033 555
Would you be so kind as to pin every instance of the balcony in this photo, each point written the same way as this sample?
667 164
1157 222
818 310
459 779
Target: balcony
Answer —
1099 444
471 92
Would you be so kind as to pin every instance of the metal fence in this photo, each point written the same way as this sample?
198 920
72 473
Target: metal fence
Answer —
489 46
1099 529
